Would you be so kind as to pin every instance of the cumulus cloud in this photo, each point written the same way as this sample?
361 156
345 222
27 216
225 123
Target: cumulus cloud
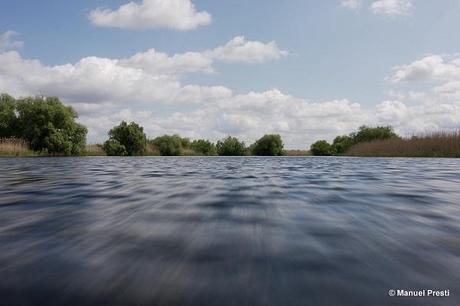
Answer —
351 4
155 62
392 7
7 41
152 14
241 50
145 77
435 107
428 68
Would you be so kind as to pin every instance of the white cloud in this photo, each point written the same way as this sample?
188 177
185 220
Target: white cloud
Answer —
7 41
351 4
155 62
91 80
152 14
145 77
429 68
435 107
241 50
237 50
392 7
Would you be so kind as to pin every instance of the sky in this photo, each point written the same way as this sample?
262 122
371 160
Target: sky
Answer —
304 69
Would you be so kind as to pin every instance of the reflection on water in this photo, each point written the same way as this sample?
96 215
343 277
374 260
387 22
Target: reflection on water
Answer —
228 231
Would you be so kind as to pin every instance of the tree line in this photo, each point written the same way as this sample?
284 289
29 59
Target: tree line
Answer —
50 127
129 139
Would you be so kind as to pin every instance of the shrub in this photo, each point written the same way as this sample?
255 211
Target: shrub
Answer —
113 147
342 143
168 145
322 148
231 146
131 136
268 145
368 134
204 147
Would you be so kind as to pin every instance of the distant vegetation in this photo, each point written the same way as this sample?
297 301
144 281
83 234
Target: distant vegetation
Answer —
441 144
126 140
269 145
204 147
342 144
45 125
384 142
170 145
231 146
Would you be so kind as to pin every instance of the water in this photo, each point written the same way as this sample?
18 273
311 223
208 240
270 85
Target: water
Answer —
228 231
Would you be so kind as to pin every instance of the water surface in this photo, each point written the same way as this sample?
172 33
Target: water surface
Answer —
228 231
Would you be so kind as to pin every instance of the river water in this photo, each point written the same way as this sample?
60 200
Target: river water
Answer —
228 231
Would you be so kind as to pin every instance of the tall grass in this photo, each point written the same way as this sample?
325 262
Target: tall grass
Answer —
15 147
296 153
437 144
94 150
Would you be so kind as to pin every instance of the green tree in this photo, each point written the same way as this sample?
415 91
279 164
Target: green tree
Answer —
114 148
48 125
322 148
168 145
342 143
231 146
8 119
368 134
204 147
268 145
131 136
184 142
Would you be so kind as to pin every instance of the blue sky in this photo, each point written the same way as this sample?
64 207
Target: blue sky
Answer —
333 65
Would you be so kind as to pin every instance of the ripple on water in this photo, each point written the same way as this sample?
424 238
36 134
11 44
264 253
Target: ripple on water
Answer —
227 231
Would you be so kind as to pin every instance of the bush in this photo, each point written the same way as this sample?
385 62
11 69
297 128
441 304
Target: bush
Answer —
341 144
114 148
231 146
268 145
203 147
322 148
368 134
130 136
45 124
168 145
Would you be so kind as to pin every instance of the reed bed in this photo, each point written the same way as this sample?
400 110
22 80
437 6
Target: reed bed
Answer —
437 144
94 150
15 147
296 153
